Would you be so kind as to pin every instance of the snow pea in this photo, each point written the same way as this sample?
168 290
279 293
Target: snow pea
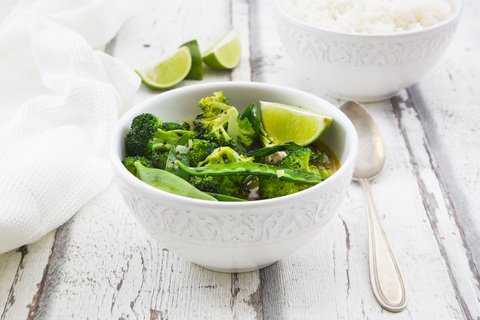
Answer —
263 152
179 151
169 182
255 169
164 140
222 197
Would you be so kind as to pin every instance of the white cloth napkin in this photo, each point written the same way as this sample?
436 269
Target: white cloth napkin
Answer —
59 101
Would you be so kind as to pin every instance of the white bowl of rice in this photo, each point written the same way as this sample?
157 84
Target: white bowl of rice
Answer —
366 50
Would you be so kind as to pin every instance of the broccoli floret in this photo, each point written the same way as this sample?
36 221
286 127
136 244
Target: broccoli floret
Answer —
234 185
199 150
129 163
230 186
139 138
266 139
246 133
185 126
206 184
217 96
273 187
146 139
217 122
169 126
179 129
296 160
317 155
224 154
299 160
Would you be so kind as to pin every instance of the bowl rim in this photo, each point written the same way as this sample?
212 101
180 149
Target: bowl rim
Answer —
451 19
170 197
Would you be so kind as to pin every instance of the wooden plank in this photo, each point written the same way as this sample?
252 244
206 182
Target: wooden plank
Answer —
449 111
329 279
240 13
441 214
9 265
113 269
28 265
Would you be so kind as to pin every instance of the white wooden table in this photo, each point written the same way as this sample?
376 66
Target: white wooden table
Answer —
102 265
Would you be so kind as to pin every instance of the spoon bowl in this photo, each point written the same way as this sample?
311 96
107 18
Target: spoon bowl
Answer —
385 277
372 154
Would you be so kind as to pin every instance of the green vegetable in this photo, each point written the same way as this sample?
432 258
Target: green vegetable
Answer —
299 160
145 138
222 197
234 185
317 155
199 150
325 173
206 184
169 182
217 122
159 159
251 113
227 185
129 163
179 152
246 133
224 154
273 188
263 152
170 126
230 186
139 138
266 139
255 169
212 158
164 140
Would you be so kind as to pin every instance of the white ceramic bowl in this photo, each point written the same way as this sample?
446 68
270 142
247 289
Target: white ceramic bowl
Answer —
362 67
239 236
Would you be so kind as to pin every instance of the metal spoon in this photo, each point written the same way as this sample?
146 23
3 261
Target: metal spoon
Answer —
385 277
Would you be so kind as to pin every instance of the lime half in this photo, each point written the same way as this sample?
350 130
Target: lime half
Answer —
196 72
287 123
168 70
224 53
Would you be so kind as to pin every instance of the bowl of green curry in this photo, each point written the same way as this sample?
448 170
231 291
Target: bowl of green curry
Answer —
200 174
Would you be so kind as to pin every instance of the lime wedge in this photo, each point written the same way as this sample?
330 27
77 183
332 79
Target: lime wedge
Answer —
196 72
168 70
225 52
287 123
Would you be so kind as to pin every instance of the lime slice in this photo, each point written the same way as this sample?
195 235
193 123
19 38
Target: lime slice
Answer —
168 70
288 123
225 52
196 72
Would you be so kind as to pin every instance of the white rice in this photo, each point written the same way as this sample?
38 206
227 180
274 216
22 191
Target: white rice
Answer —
369 16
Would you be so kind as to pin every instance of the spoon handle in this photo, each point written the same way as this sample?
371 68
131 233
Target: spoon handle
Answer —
385 277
